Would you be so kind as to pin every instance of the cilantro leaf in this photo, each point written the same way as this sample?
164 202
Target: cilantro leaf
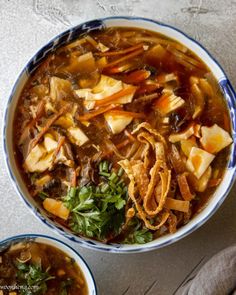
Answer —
139 234
33 278
142 236
97 211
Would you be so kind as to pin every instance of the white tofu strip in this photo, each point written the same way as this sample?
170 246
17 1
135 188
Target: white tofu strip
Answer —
77 136
183 135
105 87
117 123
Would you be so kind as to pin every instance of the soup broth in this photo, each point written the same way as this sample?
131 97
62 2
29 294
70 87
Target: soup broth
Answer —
122 135
31 268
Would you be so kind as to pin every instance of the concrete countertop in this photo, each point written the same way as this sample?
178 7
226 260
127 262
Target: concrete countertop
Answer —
26 25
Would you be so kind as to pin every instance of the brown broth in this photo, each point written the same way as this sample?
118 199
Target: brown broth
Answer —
87 156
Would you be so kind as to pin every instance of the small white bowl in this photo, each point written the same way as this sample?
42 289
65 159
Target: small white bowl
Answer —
68 36
92 290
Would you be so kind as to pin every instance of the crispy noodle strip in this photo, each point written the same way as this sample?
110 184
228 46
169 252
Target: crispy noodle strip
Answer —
148 127
172 221
142 153
126 165
149 186
165 185
141 177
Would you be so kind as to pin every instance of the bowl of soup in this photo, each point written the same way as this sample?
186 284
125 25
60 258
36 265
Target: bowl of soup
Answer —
37 264
119 134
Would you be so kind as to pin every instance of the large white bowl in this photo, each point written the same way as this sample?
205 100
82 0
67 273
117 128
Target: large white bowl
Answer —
69 35
92 290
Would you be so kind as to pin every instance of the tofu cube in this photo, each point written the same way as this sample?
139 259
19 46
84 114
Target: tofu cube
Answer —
214 138
198 161
77 136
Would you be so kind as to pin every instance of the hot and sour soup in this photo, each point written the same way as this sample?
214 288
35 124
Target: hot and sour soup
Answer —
122 135
32 268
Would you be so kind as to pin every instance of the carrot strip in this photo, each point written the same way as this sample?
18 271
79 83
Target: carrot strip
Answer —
92 114
118 69
184 187
49 123
39 113
115 96
127 114
136 76
128 56
148 88
57 150
119 52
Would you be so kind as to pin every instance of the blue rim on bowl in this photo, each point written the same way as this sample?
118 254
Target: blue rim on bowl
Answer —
68 36
92 288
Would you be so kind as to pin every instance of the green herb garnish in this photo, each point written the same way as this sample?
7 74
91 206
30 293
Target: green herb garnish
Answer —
98 210
32 279
139 234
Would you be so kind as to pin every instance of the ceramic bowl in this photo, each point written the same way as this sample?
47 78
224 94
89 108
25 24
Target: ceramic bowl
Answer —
68 36
92 290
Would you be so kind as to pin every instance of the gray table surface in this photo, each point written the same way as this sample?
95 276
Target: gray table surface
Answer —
26 25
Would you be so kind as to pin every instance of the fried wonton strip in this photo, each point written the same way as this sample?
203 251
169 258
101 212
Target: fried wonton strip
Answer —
141 178
177 205
49 123
172 220
143 152
146 137
184 187
125 164
149 201
165 178
149 128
